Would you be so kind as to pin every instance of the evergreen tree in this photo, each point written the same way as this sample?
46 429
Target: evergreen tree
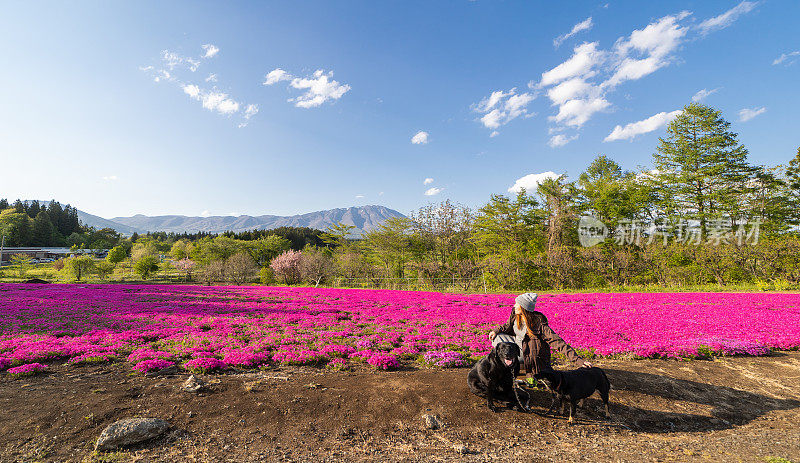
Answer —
4 204
56 214
33 209
22 235
42 230
19 207
702 168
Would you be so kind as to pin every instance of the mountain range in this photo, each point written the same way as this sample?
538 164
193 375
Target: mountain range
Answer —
363 218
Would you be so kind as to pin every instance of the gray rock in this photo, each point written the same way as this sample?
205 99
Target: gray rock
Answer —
432 421
193 384
462 449
130 431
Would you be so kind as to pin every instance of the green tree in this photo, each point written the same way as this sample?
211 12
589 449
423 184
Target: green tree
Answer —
508 233
42 230
105 268
337 235
611 194
23 263
117 254
702 168
391 244
146 266
266 248
79 266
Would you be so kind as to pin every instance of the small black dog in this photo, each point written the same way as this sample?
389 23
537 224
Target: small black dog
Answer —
493 377
575 385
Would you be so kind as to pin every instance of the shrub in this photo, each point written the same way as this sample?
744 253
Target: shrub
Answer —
446 359
151 365
93 357
383 361
146 266
29 369
338 364
205 365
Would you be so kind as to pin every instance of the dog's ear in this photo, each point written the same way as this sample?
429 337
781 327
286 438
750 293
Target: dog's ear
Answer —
516 350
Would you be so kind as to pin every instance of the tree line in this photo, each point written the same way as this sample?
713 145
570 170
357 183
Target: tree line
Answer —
703 215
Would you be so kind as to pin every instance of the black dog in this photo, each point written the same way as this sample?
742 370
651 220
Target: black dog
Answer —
493 377
575 386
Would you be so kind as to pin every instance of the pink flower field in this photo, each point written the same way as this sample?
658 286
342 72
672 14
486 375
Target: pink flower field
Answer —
201 328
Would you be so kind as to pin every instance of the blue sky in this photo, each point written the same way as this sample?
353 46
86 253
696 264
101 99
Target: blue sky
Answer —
502 90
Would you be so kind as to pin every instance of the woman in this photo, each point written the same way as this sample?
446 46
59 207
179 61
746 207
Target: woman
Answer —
529 330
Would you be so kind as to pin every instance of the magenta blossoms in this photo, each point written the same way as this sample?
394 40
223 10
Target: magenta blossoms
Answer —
208 327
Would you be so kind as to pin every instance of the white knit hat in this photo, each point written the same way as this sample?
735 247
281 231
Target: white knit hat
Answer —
527 301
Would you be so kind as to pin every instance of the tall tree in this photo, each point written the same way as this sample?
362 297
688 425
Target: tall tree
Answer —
42 230
611 194
702 167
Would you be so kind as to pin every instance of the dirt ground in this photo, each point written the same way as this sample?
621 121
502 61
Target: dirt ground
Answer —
730 409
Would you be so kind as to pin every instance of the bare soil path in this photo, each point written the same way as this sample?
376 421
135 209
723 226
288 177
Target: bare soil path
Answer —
730 409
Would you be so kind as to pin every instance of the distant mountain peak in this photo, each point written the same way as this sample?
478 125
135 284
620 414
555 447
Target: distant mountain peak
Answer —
363 218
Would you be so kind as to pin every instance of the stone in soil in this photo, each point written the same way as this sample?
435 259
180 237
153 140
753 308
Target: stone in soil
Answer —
432 421
130 431
193 384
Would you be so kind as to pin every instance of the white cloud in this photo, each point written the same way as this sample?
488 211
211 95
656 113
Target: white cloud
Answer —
584 59
726 19
634 129
560 140
211 78
568 90
433 191
584 25
210 50
747 113
427 181
787 58
420 138
648 49
359 196
110 178
205 214
172 60
380 193
501 107
276 75
250 111
531 182
319 87
220 102
575 113
702 94
192 90
215 100
494 134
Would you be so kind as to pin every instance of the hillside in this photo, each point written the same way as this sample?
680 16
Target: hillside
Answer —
363 218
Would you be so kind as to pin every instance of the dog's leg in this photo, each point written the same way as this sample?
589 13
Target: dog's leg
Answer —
552 405
490 396
571 411
604 396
